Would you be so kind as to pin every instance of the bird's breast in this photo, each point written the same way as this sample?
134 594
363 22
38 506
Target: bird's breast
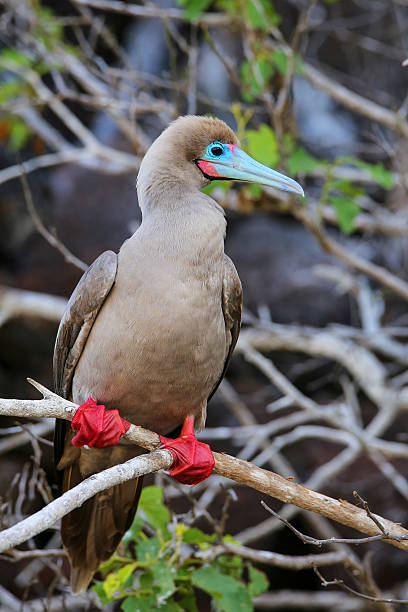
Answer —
158 345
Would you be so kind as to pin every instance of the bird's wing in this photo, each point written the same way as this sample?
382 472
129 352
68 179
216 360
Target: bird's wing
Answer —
232 309
76 323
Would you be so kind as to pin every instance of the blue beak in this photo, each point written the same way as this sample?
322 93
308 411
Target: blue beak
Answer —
236 164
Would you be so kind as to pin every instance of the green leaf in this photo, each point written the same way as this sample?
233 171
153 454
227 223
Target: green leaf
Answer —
134 532
346 211
299 64
184 573
196 536
380 175
111 565
139 604
16 57
255 190
262 145
230 565
258 582
164 577
170 606
229 538
188 603
100 591
146 580
256 76
151 503
229 595
194 8
111 585
11 89
261 14
48 30
346 187
301 162
19 134
280 59
148 550
124 573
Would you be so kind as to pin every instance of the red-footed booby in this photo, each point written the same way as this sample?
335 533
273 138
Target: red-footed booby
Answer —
149 332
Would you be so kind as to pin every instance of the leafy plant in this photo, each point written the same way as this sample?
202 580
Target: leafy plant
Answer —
194 8
162 571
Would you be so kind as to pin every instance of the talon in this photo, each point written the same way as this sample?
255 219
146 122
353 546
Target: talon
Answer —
193 460
96 426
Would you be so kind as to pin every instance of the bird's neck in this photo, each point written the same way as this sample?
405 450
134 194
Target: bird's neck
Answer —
187 232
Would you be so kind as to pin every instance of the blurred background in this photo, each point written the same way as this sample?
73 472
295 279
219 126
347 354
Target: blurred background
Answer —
315 389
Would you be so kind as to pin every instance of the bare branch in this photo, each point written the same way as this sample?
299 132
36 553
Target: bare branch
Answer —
49 237
15 303
209 19
320 542
292 562
241 471
341 584
378 273
54 511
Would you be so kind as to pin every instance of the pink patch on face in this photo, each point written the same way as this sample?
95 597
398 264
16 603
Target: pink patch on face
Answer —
208 168
232 147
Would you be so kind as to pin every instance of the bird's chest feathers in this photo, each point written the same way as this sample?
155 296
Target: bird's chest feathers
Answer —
166 307
172 282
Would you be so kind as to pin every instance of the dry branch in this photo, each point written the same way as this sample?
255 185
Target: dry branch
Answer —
266 557
74 498
374 271
241 471
151 11
16 303
49 236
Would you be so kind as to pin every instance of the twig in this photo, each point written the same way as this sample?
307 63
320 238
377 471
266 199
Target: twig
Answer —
320 542
210 19
8 443
355 102
340 583
363 503
49 237
18 555
54 511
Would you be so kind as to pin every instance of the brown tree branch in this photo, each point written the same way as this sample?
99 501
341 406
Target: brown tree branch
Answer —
241 471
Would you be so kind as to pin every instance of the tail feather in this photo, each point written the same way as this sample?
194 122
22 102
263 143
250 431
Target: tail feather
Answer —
92 532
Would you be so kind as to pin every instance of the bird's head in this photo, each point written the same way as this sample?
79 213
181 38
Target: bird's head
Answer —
193 151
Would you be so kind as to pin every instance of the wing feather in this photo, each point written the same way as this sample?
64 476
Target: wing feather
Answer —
76 323
232 309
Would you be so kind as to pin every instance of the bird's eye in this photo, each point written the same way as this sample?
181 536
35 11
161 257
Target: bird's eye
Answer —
217 150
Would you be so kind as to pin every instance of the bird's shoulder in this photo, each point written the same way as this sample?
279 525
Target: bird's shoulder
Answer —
79 316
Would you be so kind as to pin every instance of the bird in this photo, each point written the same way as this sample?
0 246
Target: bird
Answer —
149 332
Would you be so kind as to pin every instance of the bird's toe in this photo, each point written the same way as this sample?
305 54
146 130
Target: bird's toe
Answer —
193 460
96 426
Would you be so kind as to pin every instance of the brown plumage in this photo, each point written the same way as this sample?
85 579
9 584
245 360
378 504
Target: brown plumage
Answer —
149 331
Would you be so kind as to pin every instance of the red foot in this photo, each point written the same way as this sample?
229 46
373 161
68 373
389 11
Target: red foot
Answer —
193 460
97 426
